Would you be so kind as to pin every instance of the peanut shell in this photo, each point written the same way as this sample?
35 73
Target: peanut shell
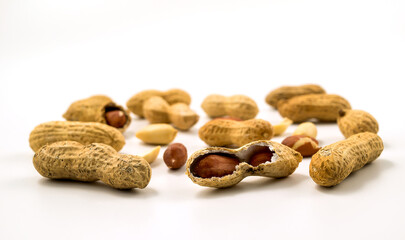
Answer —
287 92
225 132
96 161
237 106
324 107
351 122
334 163
283 163
94 109
82 132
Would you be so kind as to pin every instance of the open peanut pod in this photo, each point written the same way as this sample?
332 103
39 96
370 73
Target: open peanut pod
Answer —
99 108
223 167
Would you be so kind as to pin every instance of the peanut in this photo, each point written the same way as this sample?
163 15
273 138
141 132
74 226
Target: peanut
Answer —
307 129
82 132
159 133
175 155
223 132
157 110
324 107
224 167
238 106
96 161
351 122
333 163
172 96
287 92
306 146
282 126
98 108
151 156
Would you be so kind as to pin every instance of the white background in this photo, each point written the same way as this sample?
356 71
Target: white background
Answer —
55 52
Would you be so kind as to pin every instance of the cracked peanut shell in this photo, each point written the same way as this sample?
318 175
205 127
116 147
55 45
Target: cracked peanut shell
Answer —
94 109
96 161
82 132
282 162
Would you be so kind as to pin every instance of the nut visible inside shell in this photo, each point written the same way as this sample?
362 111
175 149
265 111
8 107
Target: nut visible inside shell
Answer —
115 117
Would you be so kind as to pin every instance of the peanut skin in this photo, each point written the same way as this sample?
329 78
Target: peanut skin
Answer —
224 132
96 161
175 156
333 163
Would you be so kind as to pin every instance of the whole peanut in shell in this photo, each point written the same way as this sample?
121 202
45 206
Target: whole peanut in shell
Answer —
96 161
351 122
287 92
224 132
82 132
238 106
157 110
334 163
172 96
324 107
98 108
223 167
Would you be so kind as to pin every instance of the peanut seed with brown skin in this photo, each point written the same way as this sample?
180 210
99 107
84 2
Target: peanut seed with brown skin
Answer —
116 118
175 156
214 165
306 146
260 157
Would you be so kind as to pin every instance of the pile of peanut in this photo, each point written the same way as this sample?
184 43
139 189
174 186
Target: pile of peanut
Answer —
86 146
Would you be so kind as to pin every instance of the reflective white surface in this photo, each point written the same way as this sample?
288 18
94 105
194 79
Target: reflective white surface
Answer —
52 54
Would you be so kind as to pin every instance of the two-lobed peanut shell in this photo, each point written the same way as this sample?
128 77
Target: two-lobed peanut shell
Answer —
172 96
82 132
334 163
287 92
237 106
225 132
351 122
96 161
94 109
324 107
283 163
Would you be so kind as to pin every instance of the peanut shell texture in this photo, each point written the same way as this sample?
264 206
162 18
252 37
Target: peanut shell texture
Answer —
89 163
334 163
287 92
99 108
351 122
82 132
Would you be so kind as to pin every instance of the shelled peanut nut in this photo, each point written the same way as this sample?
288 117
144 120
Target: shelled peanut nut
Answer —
224 132
334 163
238 106
157 110
324 107
281 127
223 167
82 132
98 108
306 146
158 133
307 129
175 156
287 92
96 161
172 96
